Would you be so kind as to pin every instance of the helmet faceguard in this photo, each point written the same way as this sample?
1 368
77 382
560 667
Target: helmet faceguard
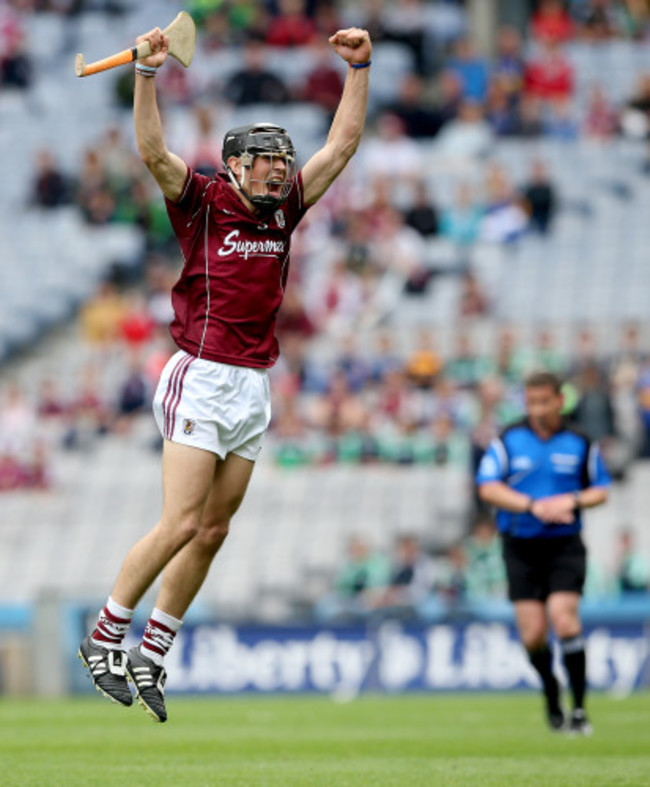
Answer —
260 139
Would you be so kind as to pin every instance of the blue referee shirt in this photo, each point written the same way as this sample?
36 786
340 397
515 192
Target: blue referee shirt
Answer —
566 462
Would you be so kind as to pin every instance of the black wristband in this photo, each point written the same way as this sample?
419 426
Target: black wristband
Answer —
577 505
529 507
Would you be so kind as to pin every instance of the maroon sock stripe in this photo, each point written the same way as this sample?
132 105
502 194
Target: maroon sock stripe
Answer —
170 395
101 635
177 401
113 618
150 646
158 637
106 625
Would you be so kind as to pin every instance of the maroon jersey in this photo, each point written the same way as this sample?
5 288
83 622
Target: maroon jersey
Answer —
236 266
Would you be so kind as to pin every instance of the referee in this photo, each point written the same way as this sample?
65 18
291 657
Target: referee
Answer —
540 473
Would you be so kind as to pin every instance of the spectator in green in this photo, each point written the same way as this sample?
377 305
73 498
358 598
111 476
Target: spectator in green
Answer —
467 367
411 578
546 353
441 443
364 571
485 575
358 586
513 360
201 9
633 567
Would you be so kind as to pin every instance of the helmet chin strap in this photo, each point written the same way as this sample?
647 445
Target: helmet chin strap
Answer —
262 202
239 184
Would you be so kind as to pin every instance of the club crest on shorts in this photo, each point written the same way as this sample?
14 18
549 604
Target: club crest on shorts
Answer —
188 425
279 218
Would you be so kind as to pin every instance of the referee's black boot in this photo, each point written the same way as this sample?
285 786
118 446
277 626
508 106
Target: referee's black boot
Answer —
579 723
554 712
556 719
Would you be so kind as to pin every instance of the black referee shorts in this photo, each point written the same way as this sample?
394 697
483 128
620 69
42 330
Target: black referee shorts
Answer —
537 567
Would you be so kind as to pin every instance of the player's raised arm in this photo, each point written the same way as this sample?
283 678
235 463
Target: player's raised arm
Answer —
168 169
354 46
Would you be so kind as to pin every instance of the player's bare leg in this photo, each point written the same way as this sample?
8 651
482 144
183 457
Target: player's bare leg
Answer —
532 623
188 474
182 579
185 574
187 480
563 609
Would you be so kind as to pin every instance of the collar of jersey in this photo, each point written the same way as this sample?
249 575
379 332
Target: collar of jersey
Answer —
562 428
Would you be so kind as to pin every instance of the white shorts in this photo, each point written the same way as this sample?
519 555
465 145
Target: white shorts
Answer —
220 408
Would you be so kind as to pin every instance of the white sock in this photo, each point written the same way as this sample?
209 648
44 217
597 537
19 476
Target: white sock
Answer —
159 635
115 609
113 623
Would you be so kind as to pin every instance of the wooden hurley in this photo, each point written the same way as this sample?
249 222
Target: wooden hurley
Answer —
182 40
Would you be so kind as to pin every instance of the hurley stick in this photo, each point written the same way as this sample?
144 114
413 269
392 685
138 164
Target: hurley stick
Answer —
182 40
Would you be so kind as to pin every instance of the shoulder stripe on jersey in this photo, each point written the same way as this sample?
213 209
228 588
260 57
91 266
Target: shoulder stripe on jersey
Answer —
207 280
200 208
588 466
592 467
577 431
188 180
500 449
514 425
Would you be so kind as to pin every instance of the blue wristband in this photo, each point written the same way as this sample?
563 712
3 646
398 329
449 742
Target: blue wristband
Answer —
361 65
145 71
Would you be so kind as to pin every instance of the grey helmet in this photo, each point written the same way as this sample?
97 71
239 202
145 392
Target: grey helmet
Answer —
260 139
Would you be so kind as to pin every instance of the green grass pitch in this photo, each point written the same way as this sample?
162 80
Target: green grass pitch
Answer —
484 739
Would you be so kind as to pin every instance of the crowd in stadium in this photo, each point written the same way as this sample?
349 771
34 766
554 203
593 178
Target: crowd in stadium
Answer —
469 578
359 404
374 404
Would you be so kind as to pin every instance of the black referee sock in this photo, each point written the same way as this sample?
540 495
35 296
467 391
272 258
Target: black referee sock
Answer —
542 660
575 661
